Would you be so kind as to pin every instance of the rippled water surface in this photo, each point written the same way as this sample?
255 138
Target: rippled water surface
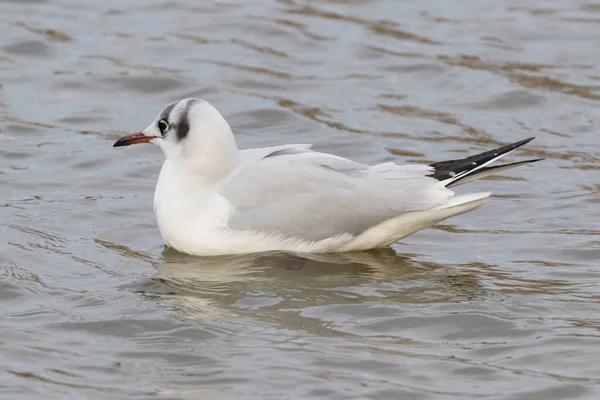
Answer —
501 303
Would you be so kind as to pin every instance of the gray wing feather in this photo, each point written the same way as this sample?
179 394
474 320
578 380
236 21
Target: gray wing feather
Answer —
313 196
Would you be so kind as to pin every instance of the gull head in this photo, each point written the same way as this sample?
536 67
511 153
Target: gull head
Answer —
189 131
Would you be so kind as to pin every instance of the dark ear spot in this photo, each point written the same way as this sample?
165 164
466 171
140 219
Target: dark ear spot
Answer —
183 128
165 113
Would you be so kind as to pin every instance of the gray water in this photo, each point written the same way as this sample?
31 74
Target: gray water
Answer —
500 303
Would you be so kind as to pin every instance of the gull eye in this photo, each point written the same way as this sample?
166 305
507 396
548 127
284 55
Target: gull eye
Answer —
163 126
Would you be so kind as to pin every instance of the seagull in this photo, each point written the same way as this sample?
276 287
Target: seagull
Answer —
213 199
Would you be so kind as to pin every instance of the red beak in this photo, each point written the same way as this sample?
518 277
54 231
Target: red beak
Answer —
134 138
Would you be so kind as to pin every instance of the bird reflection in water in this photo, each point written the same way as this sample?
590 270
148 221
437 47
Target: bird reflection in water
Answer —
277 287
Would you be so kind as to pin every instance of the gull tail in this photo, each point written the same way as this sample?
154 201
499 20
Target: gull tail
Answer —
406 224
450 173
457 172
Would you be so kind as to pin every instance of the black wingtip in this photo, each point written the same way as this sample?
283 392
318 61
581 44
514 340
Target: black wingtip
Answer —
519 143
455 170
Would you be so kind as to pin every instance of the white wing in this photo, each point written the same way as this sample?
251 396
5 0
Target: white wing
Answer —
310 195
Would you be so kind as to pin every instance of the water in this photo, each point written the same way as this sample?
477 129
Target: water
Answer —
501 303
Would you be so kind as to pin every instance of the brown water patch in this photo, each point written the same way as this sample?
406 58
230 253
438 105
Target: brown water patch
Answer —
49 34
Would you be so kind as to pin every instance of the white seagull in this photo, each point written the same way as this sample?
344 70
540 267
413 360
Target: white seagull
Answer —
213 199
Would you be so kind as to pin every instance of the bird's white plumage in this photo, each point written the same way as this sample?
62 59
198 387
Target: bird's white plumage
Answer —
212 198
